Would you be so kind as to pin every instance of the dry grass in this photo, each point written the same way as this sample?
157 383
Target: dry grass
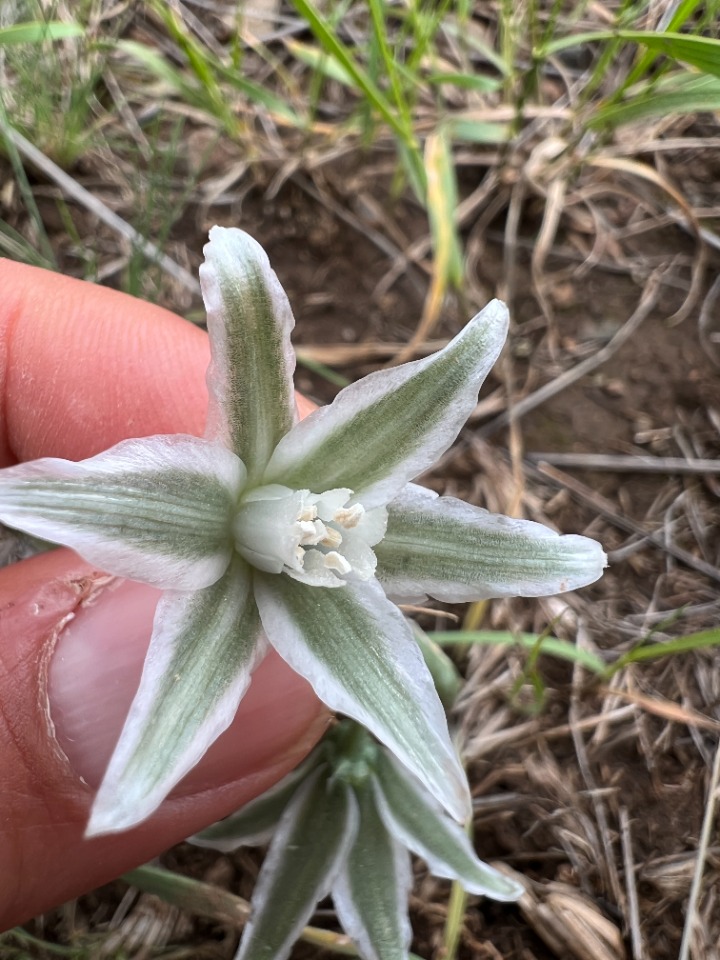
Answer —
605 246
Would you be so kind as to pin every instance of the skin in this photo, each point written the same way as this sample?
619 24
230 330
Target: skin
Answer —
81 368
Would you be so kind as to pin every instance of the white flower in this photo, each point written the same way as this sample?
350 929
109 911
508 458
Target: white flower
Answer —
273 530
344 823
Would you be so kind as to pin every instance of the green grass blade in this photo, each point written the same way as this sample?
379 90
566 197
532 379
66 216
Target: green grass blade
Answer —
319 61
200 62
442 201
334 46
16 247
683 94
532 642
30 946
38 31
6 140
469 130
262 95
321 369
667 648
156 64
377 15
681 16
563 649
701 52
395 115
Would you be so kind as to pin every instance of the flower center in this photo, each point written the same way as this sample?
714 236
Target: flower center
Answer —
320 539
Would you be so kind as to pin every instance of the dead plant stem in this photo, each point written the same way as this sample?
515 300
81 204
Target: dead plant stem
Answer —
705 834
86 199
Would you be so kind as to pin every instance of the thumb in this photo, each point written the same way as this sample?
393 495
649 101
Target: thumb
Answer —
72 645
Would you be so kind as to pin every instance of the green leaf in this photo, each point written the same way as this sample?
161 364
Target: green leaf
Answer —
356 650
252 404
302 862
387 428
203 650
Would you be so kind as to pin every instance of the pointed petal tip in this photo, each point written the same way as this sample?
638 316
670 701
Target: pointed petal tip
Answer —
589 561
224 239
497 886
450 550
112 817
249 318
494 314
491 880
507 890
234 248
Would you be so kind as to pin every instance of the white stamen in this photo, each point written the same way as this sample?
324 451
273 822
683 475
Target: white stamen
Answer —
334 561
349 517
313 532
332 539
308 535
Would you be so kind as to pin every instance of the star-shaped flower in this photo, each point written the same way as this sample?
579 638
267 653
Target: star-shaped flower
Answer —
344 823
270 530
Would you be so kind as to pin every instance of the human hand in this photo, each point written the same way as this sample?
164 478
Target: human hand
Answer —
81 368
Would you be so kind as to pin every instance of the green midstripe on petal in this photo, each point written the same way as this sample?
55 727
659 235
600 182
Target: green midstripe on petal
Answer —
304 857
203 650
414 819
357 651
450 550
372 889
389 427
156 510
249 319
255 823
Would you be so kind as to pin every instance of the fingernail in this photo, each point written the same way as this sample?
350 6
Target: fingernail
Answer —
96 670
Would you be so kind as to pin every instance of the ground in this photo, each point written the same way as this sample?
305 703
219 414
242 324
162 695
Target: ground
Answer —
597 777
593 790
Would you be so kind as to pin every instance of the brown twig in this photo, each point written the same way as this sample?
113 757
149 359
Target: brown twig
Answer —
705 836
625 464
636 938
102 212
606 509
